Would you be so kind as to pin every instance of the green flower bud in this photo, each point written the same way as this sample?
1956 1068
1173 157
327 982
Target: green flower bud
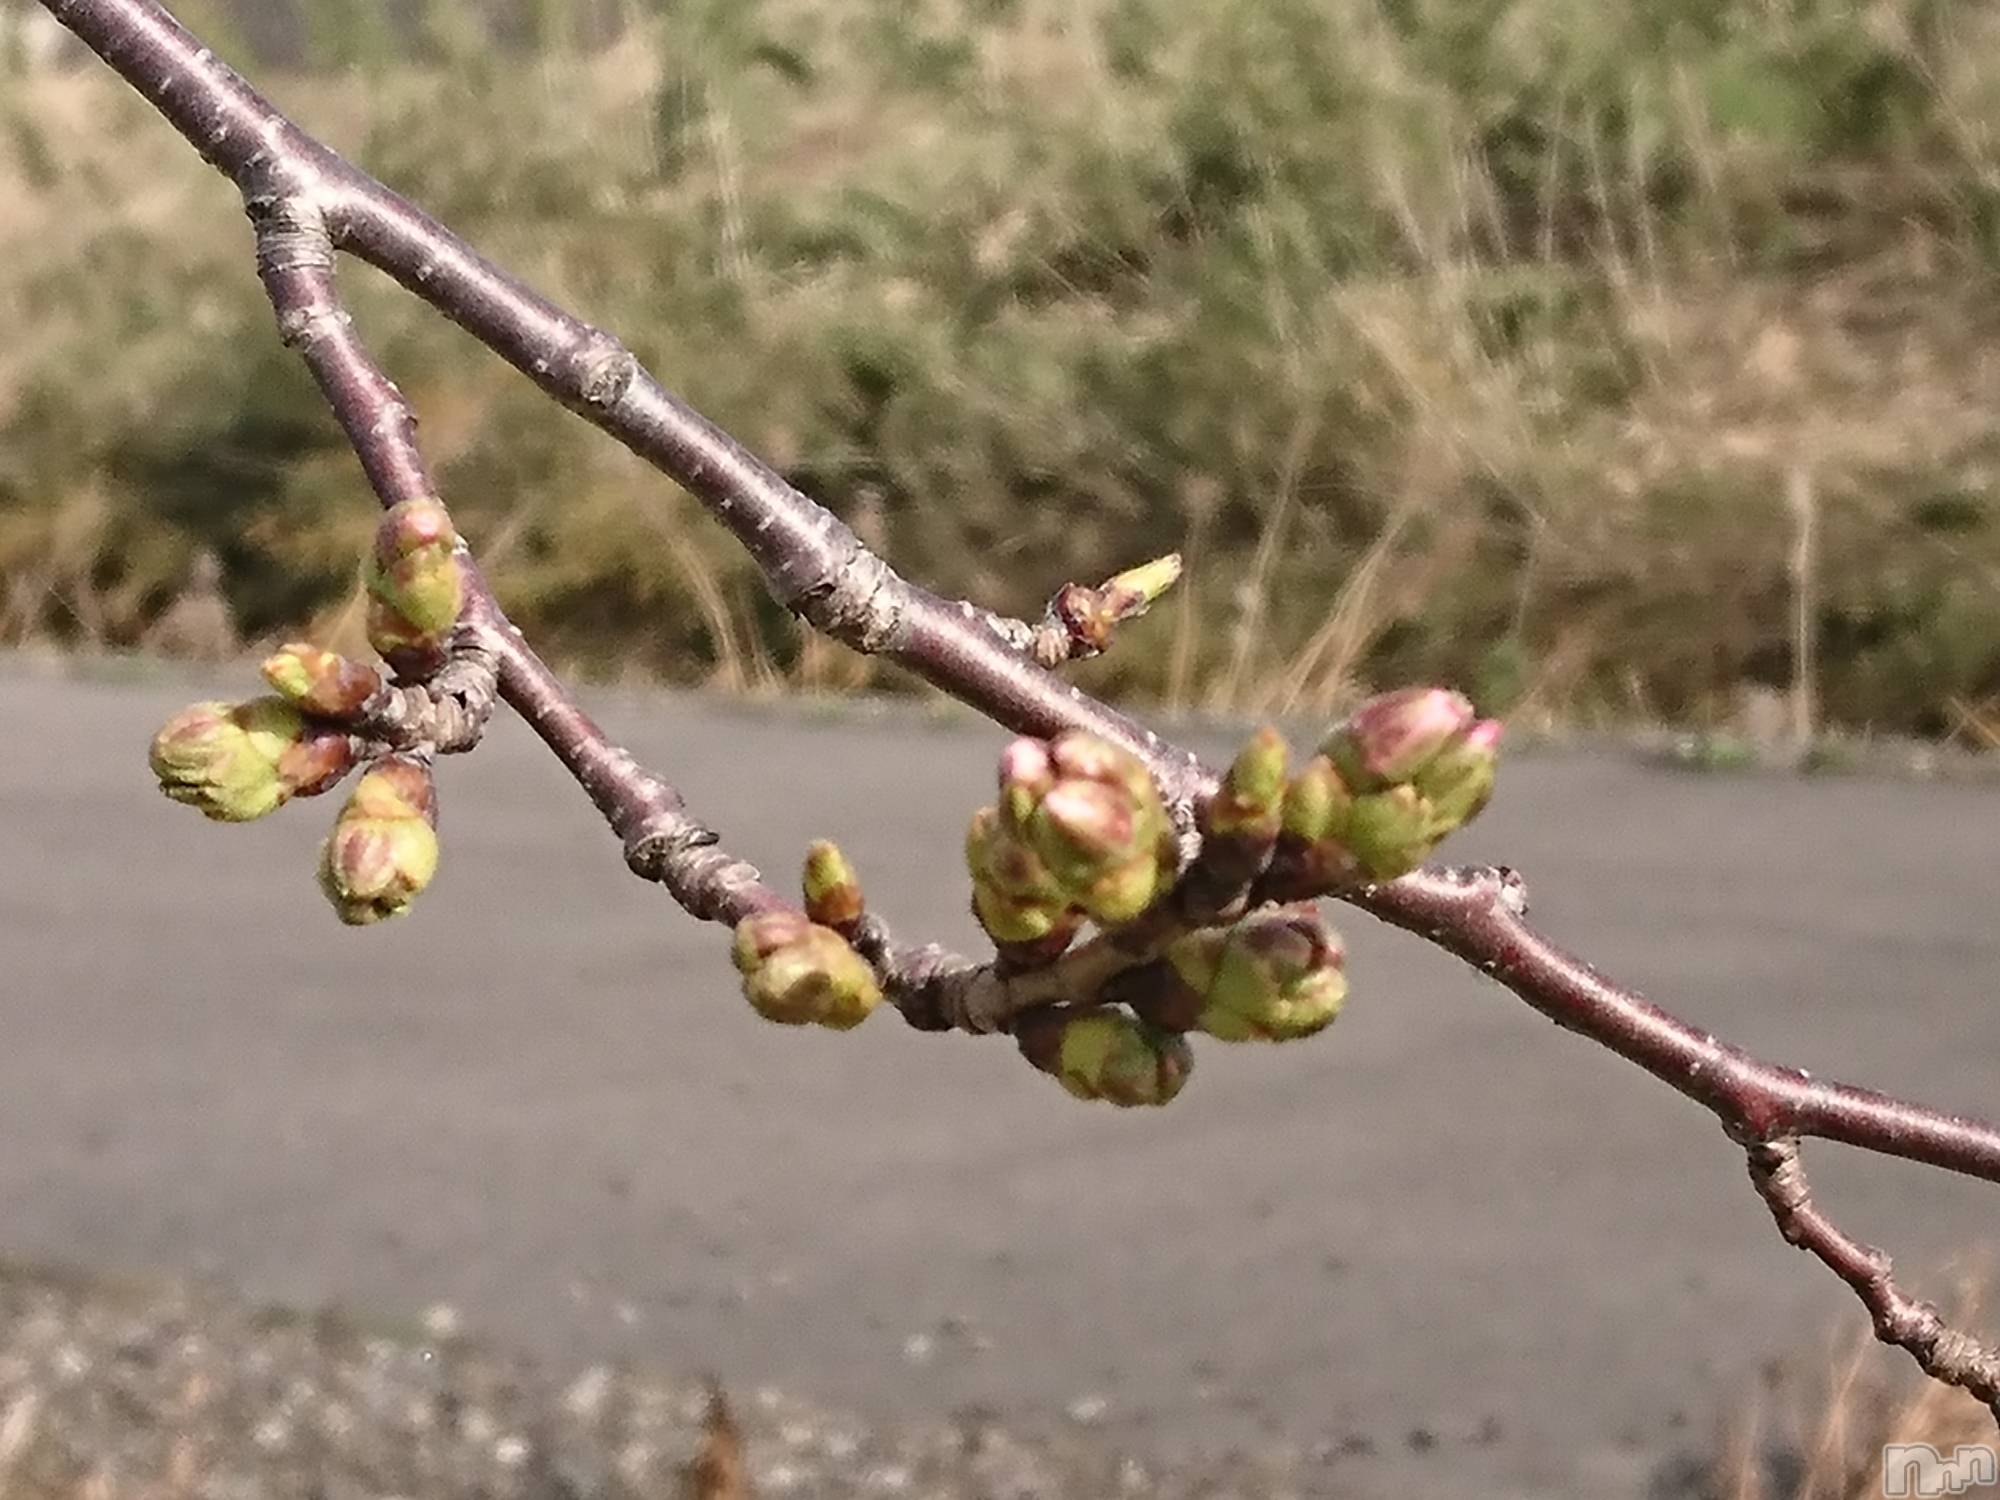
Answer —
383 850
1392 737
1013 894
1250 801
832 889
416 568
1389 832
1100 829
1103 1053
797 973
1458 783
321 682
238 761
1274 975
1316 803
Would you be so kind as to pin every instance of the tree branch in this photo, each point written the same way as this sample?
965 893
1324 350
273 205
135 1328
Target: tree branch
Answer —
305 202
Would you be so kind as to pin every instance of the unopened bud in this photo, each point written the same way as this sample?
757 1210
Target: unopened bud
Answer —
1393 736
1316 803
1103 1053
1101 829
1389 832
383 850
321 682
832 889
1458 783
1014 896
1274 975
1090 615
1249 802
1405 770
238 761
798 973
416 569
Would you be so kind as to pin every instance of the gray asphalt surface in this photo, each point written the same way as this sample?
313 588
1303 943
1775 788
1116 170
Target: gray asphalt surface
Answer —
1469 1253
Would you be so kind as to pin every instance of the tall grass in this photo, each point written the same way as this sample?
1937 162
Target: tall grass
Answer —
1467 339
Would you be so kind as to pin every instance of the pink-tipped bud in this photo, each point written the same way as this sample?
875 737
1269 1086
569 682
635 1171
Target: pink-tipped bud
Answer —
239 761
798 973
416 568
1092 817
321 682
1458 783
1392 737
383 850
1026 774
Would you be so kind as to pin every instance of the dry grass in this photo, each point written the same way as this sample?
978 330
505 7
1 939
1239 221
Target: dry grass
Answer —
1476 349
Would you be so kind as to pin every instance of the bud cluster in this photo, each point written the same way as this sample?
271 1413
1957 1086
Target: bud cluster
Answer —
238 761
1080 832
1404 770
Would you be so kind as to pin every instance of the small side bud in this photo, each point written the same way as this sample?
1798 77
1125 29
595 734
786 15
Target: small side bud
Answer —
416 568
1316 803
239 761
1103 1053
1132 591
1090 615
321 682
1251 799
383 850
797 973
832 889
1275 975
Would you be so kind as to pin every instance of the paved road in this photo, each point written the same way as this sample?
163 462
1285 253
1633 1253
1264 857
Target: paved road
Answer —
1487 1258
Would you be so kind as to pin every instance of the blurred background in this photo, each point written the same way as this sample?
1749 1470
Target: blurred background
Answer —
1610 362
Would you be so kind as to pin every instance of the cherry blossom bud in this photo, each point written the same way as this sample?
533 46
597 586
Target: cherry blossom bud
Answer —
796 972
383 850
832 889
321 682
1103 1053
